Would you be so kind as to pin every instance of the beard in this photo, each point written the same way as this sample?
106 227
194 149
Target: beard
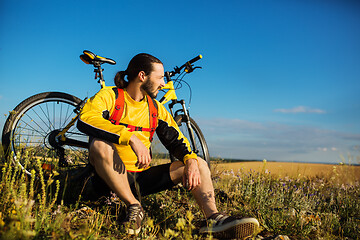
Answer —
147 86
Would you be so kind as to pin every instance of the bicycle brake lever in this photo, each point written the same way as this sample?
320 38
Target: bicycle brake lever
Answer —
188 68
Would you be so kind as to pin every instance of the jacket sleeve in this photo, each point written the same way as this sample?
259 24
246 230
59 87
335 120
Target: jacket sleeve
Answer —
171 137
94 121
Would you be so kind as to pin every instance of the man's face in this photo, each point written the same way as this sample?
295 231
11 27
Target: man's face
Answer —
154 81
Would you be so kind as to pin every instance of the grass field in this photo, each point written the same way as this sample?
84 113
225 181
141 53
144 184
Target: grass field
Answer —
347 173
302 201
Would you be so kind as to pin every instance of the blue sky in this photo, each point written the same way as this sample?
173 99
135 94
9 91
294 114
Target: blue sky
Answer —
280 79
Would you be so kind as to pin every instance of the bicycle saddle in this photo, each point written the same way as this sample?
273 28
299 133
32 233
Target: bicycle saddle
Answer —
91 58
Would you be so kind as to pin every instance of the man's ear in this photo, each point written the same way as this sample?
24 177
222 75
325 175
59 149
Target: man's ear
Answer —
142 76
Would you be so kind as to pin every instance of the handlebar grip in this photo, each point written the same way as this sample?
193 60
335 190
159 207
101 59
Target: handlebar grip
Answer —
195 59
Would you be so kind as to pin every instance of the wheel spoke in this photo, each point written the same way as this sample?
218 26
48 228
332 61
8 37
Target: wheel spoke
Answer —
60 114
68 114
46 116
30 128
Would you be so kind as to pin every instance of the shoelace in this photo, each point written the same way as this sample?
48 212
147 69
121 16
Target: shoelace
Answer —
220 219
134 212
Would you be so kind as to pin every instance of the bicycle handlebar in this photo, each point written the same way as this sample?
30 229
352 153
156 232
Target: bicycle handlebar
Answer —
195 59
187 65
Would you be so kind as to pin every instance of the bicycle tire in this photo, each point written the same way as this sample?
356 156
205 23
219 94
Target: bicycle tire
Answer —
203 150
27 130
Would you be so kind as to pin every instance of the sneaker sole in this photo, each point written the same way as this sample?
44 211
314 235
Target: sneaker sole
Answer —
239 229
133 231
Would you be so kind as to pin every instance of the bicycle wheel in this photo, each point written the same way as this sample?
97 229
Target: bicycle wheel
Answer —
199 140
30 133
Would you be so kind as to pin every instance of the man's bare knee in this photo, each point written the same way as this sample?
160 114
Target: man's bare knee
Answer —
101 151
104 154
203 167
176 171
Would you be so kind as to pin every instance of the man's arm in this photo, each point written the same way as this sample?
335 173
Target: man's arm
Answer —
141 151
93 120
191 177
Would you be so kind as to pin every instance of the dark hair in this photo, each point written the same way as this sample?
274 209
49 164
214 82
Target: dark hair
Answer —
141 62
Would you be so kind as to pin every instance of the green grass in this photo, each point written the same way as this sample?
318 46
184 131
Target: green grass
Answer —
300 208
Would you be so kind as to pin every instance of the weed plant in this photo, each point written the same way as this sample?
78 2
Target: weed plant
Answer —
301 208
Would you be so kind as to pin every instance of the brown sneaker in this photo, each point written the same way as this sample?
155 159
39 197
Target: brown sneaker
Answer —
223 226
134 217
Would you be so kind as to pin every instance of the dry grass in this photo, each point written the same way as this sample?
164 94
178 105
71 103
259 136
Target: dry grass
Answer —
348 173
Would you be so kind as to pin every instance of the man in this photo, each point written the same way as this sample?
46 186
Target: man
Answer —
121 156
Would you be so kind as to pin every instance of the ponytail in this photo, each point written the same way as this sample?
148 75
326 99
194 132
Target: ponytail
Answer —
119 79
141 62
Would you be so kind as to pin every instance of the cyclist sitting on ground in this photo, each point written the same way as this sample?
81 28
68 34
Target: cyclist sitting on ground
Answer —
120 152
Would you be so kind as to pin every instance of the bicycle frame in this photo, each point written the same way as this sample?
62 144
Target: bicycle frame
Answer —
170 94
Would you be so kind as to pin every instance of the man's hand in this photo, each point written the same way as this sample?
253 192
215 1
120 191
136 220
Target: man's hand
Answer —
191 177
142 152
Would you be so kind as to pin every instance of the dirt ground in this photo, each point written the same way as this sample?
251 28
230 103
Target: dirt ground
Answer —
291 169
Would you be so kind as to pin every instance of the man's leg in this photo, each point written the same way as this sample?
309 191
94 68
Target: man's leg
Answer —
109 166
221 225
204 193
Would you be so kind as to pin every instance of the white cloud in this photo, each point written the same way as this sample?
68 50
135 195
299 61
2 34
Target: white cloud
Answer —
324 149
300 109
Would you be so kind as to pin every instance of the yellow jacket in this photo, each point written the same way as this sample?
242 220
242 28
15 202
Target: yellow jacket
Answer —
94 122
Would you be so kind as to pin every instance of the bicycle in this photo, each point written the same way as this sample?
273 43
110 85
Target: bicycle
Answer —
43 125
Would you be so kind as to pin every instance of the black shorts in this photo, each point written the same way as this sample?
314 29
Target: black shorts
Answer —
152 180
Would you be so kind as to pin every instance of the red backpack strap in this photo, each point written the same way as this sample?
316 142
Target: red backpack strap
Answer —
119 107
153 112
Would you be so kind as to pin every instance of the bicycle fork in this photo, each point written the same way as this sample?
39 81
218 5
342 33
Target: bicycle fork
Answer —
186 117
